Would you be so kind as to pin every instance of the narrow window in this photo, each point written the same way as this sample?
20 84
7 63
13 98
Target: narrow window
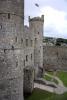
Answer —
16 63
0 26
21 40
12 47
35 40
31 56
39 51
8 15
15 39
26 57
31 43
4 50
38 32
24 62
26 42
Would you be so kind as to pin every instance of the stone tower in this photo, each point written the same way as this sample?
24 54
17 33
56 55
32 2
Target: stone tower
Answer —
11 60
36 27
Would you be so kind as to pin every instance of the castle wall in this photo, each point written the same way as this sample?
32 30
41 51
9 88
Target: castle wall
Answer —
28 47
55 58
29 61
11 58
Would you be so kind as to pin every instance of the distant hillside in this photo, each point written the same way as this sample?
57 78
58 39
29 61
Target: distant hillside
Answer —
49 40
60 41
56 41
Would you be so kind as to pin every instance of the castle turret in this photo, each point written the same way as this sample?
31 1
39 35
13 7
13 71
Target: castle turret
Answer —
36 27
11 64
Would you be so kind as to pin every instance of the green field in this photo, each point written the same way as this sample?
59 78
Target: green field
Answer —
50 79
44 95
47 78
62 75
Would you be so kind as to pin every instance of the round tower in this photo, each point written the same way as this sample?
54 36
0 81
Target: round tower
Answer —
11 64
36 27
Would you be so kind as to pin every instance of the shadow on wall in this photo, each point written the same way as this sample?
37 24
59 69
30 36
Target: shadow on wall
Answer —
28 80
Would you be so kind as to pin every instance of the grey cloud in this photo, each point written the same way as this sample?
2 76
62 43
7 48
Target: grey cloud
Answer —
52 32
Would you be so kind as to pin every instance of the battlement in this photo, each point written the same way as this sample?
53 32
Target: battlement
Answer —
37 18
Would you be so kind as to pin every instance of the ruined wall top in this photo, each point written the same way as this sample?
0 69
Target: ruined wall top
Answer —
37 18
26 30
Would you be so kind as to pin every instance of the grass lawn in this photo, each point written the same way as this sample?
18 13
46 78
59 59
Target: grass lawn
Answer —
38 95
62 75
50 79
47 78
44 95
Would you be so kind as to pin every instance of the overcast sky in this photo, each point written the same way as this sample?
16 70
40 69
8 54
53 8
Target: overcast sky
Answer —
55 15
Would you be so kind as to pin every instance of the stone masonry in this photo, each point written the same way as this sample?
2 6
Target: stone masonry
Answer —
55 57
28 61
11 58
21 50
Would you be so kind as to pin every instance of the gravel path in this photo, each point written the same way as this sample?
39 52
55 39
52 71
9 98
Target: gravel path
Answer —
60 89
60 83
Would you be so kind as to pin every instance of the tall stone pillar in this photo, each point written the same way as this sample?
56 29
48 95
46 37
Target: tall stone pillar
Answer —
11 62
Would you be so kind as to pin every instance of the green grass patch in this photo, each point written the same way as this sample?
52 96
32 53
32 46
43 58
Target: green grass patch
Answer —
50 79
47 78
63 77
38 94
44 95
55 81
58 97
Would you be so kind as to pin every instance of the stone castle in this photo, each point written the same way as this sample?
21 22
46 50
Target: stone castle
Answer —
21 50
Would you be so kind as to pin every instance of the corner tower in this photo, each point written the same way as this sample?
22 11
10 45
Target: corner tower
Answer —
36 27
11 32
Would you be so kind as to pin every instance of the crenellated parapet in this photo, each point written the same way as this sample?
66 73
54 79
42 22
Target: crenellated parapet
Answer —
37 18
